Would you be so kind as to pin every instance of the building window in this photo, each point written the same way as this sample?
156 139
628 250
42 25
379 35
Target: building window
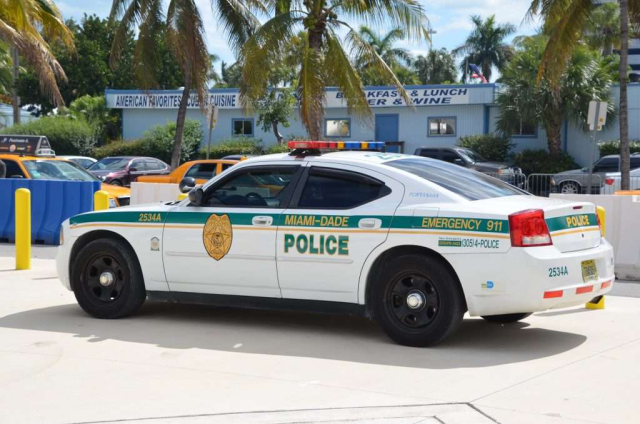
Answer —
242 127
337 128
442 127
524 129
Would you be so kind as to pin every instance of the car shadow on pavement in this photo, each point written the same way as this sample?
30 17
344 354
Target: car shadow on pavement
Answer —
345 338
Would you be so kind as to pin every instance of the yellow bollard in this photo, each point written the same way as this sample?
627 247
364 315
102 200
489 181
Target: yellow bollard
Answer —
602 214
595 303
100 200
23 228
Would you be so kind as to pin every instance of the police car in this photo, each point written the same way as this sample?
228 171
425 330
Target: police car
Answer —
411 242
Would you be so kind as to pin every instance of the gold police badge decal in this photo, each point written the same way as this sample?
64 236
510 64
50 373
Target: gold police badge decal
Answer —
217 236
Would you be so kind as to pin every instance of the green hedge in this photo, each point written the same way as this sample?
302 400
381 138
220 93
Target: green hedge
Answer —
612 147
491 146
157 143
67 136
233 146
541 162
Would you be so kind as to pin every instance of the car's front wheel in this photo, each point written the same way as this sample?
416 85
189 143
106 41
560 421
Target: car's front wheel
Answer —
570 187
107 279
417 300
507 318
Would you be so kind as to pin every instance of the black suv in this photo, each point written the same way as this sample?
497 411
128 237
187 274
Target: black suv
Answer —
473 160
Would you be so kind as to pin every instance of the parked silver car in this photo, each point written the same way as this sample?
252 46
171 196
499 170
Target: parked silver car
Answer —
577 180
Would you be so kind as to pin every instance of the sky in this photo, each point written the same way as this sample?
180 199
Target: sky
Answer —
450 18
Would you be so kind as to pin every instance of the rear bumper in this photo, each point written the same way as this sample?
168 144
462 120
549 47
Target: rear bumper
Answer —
522 281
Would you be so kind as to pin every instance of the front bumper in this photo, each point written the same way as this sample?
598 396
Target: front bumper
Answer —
62 257
522 281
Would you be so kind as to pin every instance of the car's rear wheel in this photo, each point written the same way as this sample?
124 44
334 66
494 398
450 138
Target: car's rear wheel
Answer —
570 187
116 183
507 318
107 279
417 300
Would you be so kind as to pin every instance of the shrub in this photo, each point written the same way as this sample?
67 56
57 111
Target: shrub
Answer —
541 162
158 143
67 136
233 146
94 110
491 146
277 148
612 147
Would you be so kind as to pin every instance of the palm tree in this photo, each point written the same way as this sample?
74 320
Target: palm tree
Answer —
524 99
327 56
384 46
437 67
6 77
565 22
213 75
186 39
24 25
603 32
485 46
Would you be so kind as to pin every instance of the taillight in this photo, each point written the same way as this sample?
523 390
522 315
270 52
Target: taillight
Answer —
609 181
528 228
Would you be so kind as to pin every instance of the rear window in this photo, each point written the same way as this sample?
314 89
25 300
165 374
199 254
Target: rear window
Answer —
462 181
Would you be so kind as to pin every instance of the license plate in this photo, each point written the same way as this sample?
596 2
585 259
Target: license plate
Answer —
589 271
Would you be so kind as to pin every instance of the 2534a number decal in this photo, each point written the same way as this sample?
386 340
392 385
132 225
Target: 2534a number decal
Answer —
558 271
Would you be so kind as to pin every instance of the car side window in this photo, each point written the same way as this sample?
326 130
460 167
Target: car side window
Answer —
13 169
328 188
429 153
449 156
152 165
635 163
139 165
607 165
263 187
202 171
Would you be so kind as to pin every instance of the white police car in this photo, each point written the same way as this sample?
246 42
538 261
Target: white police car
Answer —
409 241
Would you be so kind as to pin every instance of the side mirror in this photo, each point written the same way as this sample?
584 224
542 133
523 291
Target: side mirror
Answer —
196 196
187 184
458 162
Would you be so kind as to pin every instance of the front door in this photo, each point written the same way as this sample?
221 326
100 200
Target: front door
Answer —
337 217
387 129
227 244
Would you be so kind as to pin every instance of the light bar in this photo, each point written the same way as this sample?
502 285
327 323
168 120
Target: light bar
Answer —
336 145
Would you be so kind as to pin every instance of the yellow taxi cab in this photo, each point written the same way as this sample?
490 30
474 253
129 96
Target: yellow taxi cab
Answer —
200 170
31 157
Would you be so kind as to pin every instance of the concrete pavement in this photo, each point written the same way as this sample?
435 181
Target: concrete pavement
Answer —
185 363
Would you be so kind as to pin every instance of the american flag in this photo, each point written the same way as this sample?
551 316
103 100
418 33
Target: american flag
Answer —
477 73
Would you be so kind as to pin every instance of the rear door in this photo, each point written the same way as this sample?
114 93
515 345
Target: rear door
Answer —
339 214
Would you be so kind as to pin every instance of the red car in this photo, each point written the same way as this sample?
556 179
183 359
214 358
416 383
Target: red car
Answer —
123 170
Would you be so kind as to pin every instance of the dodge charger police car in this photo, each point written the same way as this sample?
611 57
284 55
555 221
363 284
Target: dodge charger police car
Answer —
411 242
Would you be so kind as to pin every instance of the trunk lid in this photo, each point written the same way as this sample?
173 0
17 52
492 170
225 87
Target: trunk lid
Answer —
573 225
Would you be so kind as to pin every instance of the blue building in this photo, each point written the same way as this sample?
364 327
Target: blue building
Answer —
440 115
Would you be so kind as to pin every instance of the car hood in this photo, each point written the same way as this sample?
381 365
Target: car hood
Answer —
116 191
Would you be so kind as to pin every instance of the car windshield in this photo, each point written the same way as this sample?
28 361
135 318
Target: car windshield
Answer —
471 155
469 184
56 170
111 164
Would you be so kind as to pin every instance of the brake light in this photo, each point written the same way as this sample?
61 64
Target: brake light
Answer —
609 181
528 228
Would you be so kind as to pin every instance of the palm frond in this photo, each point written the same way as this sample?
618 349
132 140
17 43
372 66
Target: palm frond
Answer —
238 20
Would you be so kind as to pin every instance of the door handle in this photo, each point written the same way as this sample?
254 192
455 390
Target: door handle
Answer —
262 221
370 223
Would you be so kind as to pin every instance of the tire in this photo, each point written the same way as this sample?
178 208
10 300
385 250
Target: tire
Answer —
427 280
116 183
570 187
507 318
124 295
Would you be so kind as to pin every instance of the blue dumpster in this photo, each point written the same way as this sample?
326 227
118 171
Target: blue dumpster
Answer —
51 203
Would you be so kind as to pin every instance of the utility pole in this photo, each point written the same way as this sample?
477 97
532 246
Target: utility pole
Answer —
15 59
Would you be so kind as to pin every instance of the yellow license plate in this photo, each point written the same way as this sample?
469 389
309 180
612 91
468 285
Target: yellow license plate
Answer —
589 271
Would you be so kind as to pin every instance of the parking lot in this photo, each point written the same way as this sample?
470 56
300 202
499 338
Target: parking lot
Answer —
185 363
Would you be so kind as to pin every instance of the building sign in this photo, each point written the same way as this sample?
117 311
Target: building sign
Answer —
334 99
156 100
419 97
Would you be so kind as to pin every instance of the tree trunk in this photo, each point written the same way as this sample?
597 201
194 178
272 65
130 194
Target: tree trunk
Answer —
15 58
182 114
624 111
315 113
553 127
276 132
